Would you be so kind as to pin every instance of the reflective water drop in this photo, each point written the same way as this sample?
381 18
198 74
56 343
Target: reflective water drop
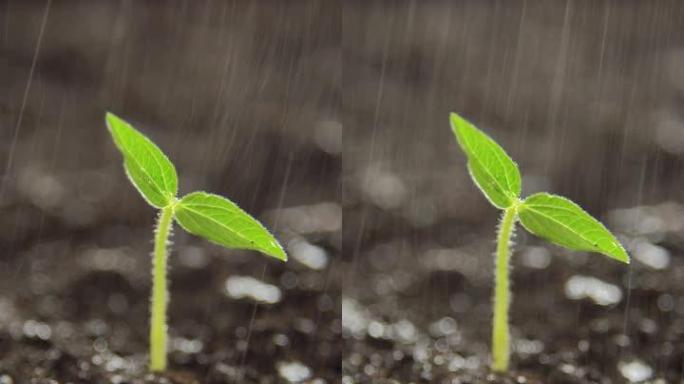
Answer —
580 287
294 372
308 254
536 257
240 287
635 370
651 255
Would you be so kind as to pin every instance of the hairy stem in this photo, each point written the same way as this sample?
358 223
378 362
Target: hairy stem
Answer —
500 331
158 328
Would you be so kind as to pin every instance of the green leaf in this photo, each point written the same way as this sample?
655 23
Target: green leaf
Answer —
494 172
220 221
565 223
147 167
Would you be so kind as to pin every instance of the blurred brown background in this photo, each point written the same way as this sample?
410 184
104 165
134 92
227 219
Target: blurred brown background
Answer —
212 83
586 96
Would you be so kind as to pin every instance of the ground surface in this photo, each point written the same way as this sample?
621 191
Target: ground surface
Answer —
576 318
76 312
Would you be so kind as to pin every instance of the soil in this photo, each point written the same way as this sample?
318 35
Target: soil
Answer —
75 313
576 317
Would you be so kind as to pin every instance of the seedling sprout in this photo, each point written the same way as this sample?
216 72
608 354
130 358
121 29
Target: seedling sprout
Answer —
210 216
548 216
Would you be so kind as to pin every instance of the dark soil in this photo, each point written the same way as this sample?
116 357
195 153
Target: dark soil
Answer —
433 325
73 312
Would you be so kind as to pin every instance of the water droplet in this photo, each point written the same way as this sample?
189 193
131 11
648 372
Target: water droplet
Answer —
240 287
188 346
193 257
355 319
536 257
443 327
43 189
289 280
294 372
528 347
651 255
635 370
568 369
36 330
376 329
665 302
404 331
384 188
581 287
281 340
308 254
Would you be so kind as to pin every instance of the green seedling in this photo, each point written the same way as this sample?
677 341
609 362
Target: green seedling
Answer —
548 216
210 216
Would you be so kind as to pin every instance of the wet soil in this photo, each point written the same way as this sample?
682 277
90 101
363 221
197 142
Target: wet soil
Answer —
75 310
576 318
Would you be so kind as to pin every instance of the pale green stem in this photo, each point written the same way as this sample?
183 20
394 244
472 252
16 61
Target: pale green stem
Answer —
500 331
158 328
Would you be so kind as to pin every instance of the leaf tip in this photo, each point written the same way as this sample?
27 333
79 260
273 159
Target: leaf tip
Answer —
280 254
619 252
113 122
111 117
275 250
456 120
622 255
459 127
